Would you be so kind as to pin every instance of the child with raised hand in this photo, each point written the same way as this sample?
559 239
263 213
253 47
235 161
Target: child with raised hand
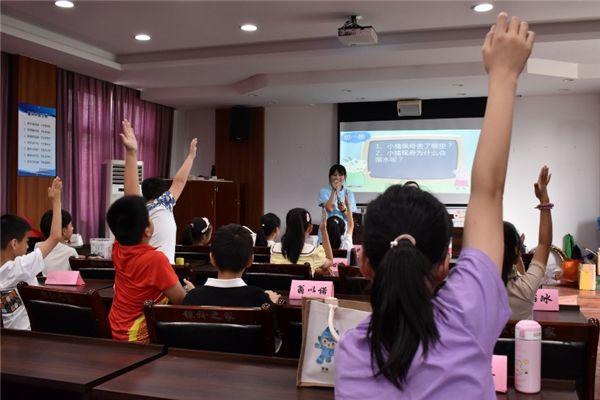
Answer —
421 342
17 266
160 198
340 237
522 285
141 272
58 259
293 248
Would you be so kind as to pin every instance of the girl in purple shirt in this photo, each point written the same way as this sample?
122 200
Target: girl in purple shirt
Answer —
425 340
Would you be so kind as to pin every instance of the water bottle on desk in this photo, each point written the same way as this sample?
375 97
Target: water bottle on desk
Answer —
528 356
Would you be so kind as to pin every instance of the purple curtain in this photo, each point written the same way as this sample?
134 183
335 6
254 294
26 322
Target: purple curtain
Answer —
88 123
5 70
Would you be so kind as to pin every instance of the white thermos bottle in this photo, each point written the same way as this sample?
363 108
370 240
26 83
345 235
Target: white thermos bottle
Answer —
528 356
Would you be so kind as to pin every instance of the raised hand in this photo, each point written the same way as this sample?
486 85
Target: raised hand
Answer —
507 46
128 136
541 186
55 190
193 148
323 224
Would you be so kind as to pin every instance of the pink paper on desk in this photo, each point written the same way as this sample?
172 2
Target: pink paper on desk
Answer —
546 300
319 289
64 278
499 372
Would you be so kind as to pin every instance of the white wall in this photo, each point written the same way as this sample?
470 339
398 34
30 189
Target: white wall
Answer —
564 133
300 146
561 131
187 125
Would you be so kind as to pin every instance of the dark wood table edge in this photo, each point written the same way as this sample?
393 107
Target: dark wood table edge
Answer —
79 388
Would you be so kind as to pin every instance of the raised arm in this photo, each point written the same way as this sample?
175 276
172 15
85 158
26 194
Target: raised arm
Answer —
505 51
349 218
545 230
132 182
181 177
55 237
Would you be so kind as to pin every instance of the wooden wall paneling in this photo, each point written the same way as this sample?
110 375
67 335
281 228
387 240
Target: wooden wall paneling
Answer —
36 84
196 200
228 203
243 163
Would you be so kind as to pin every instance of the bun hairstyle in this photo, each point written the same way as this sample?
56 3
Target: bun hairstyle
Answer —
336 227
268 224
297 222
512 250
195 231
407 233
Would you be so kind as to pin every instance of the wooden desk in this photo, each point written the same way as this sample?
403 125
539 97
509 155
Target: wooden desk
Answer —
566 313
45 365
189 374
104 287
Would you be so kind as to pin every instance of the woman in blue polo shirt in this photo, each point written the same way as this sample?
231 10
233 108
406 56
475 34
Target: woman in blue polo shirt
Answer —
332 196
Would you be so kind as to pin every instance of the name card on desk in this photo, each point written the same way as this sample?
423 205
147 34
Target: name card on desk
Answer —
546 300
499 373
70 278
318 289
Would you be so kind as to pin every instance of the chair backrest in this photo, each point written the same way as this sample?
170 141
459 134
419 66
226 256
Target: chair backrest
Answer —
351 281
290 325
64 311
97 273
226 329
198 253
262 254
276 276
78 263
568 352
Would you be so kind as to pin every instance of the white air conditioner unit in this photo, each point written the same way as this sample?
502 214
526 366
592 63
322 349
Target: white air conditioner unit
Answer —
115 184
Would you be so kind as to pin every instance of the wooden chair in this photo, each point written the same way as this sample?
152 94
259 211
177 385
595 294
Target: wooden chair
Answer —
568 352
353 260
351 281
78 263
226 329
64 311
276 276
290 325
262 254
457 239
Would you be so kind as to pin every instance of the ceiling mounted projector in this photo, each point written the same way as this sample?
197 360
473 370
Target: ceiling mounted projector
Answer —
353 34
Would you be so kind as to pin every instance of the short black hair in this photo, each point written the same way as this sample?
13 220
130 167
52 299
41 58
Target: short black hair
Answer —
13 227
127 218
339 168
46 221
231 248
153 187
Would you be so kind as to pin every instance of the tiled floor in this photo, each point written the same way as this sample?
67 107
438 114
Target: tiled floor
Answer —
589 303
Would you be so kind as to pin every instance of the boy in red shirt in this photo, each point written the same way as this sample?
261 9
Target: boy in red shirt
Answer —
141 272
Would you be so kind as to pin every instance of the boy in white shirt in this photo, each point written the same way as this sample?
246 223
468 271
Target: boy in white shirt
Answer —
17 266
160 199
58 259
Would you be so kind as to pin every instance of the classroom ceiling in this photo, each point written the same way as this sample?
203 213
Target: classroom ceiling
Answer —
198 56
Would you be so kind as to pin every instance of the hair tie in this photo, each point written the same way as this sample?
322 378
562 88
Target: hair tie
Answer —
307 217
404 236
263 225
207 225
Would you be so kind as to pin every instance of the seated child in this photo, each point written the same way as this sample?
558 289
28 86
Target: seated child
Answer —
294 250
339 236
159 195
20 267
522 285
231 254
141 272
269 230
58 259
197 233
